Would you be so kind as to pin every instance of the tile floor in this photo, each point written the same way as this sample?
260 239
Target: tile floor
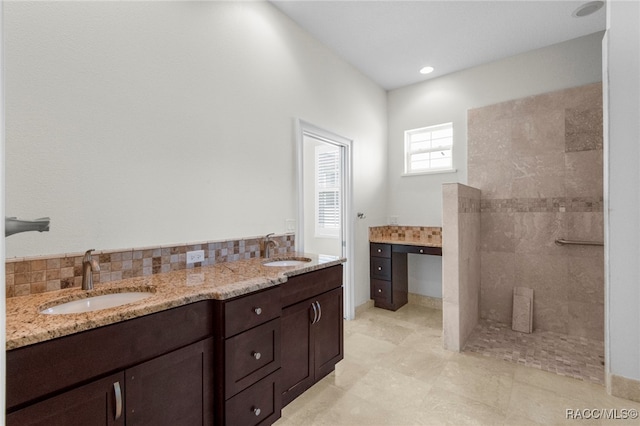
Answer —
571 356
395 372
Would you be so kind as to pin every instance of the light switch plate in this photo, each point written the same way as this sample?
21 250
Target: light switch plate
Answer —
290 225
393 220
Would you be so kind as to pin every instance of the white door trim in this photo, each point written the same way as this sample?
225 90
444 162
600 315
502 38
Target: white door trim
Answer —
348 233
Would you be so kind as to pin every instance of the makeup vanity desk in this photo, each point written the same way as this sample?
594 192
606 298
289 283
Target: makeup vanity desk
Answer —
388 249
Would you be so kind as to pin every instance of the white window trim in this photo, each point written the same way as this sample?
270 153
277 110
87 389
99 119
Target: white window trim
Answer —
430 172
408 154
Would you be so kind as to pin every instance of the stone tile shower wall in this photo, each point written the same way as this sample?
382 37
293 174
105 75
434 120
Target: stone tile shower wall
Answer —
31 275
460 263
538 163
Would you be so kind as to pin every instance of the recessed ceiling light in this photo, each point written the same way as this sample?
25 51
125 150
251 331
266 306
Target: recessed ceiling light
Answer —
587 9
426 70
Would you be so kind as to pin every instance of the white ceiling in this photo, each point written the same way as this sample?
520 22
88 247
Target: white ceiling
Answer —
391 40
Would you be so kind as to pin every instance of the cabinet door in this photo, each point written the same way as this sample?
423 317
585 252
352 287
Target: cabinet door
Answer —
95 404
327 333
173 389
297 350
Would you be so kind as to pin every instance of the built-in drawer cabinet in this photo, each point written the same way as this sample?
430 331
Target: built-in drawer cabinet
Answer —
381 291
388 274
248 359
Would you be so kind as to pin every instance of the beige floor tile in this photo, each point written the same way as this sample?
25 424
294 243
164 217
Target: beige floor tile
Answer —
366 350
465 377
346 374
446 408
409 379
542 406
388 388
351 410
560 385
423 365
382 328
303 410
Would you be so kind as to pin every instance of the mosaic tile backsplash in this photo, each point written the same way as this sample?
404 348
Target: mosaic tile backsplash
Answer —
34 275
394 232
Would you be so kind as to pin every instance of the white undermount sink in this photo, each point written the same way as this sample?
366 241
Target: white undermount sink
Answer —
288 262
96 303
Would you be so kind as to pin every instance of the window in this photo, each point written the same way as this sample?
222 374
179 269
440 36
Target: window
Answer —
428 149
328 196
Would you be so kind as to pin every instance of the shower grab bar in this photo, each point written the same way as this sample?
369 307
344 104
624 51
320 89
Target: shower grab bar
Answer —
562 242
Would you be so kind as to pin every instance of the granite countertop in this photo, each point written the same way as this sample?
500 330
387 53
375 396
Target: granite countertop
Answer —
25 325
409 242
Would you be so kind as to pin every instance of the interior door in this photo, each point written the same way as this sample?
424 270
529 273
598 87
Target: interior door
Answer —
325 224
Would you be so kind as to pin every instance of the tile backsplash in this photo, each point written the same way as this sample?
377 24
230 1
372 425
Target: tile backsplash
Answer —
425 233
31 275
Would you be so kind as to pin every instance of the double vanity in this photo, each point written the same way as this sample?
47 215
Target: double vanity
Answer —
230 343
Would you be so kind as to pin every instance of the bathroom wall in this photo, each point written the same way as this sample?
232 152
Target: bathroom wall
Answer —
461 263
135 124
621 49
538 162
417 200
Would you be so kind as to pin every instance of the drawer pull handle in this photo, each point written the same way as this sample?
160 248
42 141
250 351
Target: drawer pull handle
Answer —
319 311
421 251
379 250
256 355
257 311
379 268
256 411
379 290
118 395
315 313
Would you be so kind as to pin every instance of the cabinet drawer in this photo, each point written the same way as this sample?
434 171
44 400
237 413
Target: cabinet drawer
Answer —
250 356
301 287
380 250
259 404
381 290
380 268
249 311
436 251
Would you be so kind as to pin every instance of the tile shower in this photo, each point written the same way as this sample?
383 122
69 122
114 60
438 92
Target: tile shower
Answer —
538 164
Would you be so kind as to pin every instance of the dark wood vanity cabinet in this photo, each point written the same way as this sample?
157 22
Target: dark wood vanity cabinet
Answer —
153 370
91 404
247 359
388 272
222 362
312 329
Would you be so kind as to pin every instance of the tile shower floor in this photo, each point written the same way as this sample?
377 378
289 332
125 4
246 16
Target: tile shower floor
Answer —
395 372
571 356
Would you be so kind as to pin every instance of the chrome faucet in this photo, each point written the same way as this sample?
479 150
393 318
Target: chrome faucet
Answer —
89 265
268 243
